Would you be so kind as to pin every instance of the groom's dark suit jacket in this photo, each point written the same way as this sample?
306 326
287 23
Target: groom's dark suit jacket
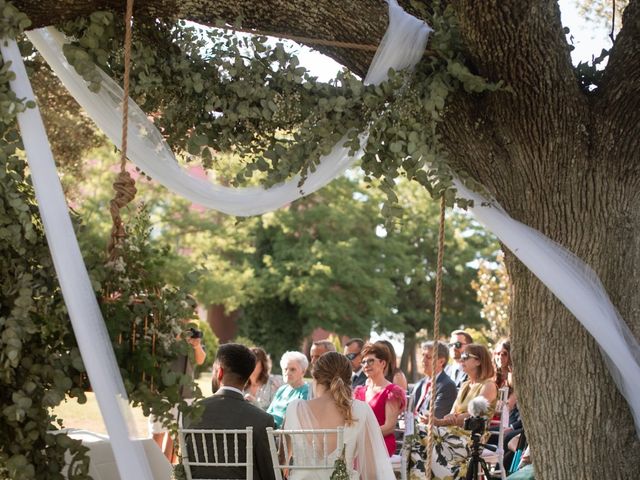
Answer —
228 409
446 393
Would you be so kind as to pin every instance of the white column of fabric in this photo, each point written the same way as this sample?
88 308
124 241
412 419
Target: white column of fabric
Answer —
88 325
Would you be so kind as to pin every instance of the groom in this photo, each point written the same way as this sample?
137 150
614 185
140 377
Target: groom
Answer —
227 409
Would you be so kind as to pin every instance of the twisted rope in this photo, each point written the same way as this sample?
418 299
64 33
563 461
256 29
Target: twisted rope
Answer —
436 334
124 185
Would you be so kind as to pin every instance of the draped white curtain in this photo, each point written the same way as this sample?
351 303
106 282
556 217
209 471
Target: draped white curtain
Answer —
84 312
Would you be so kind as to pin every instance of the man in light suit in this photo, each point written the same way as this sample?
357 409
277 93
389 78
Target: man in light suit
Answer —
353 351
227 409
445 391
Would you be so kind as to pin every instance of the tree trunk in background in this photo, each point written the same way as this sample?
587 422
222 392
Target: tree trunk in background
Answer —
408 360
558 158
224 325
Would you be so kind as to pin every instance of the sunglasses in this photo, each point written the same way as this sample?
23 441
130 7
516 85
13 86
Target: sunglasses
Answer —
457 344
467 356
368 362
352 356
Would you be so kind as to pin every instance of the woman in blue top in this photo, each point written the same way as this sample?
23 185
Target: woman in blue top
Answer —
293 365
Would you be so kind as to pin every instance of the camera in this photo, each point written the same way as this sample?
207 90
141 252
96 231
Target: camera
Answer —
194 333
477 425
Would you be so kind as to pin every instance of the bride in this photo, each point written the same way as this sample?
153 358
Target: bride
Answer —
365 452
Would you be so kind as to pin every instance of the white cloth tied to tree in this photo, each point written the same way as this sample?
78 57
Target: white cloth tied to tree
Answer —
577 286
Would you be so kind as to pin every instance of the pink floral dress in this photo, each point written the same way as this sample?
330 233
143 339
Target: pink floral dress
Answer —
391 392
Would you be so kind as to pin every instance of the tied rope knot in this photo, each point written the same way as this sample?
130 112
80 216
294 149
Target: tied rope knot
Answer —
125 188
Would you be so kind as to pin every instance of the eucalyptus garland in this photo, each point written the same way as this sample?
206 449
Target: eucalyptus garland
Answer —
214 91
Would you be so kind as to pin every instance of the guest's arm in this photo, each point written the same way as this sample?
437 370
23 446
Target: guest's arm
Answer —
392 411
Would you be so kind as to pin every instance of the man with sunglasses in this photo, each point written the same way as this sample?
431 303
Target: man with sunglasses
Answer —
353 351
457 345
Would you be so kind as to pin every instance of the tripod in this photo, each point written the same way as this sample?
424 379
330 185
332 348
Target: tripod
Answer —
476 461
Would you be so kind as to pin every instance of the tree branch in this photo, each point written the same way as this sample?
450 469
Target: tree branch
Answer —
617 105
361 21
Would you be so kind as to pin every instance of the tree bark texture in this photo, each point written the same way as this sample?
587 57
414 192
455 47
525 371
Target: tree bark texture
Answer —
559 159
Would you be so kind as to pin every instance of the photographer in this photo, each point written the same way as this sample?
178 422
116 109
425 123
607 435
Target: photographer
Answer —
182 365
450 459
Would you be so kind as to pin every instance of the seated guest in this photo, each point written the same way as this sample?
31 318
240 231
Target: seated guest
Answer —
385 398
293 365
502 358
262 386
353 351
445 390
227 409
457 344
319 348
449 459
393 373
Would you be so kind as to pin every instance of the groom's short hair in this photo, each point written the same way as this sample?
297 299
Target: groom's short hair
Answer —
237 362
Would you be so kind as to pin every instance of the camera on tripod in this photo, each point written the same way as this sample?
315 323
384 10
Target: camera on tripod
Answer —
477 425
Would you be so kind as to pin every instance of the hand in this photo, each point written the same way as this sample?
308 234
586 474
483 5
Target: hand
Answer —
249 398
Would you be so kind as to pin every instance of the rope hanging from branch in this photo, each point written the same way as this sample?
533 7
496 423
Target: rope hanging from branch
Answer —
124 185
436 335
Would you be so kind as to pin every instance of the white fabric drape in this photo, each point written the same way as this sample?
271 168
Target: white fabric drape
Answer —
401 47
576 285
88 326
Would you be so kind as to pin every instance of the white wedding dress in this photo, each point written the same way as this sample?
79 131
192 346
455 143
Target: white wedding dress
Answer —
365 453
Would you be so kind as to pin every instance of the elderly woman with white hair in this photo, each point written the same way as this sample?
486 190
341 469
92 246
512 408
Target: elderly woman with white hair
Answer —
293 365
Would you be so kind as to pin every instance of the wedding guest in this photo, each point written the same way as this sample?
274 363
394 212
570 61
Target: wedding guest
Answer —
262 386
393 373
451 450
502 358
353 351
445 390
457 345
386 399
319 348
293 365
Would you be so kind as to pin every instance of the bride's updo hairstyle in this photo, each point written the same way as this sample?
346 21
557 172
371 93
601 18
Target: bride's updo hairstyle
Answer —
333 371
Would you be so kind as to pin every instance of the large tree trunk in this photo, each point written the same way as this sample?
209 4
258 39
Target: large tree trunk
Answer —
557 158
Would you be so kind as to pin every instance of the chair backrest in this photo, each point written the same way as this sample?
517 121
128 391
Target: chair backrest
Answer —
217 448
304 449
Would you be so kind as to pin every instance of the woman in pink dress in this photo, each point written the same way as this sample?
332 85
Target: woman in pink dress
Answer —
386 399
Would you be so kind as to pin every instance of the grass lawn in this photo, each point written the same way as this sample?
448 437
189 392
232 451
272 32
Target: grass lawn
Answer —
88 417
